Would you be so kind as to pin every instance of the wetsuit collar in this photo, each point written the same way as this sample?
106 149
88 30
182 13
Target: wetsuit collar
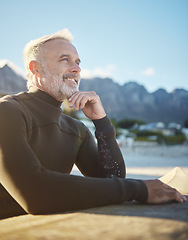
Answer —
44 96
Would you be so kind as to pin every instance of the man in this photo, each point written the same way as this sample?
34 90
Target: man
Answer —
39 144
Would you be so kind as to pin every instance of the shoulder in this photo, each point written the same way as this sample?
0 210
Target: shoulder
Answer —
10 109
13 125
73 126
7 103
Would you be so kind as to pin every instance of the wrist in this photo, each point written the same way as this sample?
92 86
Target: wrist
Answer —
101 123
103 126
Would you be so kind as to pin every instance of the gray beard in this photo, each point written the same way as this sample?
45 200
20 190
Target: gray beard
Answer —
57 86
67 91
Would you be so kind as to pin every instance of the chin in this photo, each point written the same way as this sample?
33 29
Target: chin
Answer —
68 92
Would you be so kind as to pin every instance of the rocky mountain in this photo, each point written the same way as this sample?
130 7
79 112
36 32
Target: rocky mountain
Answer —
10 81
131 100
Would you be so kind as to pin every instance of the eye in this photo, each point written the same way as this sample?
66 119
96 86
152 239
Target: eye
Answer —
64 59
78 62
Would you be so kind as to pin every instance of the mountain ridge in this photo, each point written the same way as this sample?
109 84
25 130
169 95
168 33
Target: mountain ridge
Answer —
130 100
133 101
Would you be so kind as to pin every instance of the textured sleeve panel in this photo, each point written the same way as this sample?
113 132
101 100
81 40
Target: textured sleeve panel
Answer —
111 162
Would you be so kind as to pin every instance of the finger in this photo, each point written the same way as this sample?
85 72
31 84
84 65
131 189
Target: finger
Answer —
179 197
80 102
173 194
73 95
83 102
81 98
74 98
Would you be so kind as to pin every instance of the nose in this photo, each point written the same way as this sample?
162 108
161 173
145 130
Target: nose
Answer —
76 68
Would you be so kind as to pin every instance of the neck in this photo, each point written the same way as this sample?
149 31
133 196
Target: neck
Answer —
45 96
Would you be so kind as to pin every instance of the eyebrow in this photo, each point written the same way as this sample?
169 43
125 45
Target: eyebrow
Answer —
67 55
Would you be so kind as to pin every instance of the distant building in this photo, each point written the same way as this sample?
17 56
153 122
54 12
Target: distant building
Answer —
155 126
170 130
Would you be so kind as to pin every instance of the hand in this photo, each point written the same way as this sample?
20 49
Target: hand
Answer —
159 192
89 103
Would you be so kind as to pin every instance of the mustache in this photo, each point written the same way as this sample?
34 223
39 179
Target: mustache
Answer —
71 76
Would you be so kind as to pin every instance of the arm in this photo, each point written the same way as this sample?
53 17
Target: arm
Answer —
110 159
107 160
111 162
39 190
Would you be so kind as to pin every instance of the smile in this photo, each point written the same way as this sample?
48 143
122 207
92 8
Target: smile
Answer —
74 80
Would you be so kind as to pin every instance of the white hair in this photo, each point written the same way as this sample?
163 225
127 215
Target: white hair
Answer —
32 50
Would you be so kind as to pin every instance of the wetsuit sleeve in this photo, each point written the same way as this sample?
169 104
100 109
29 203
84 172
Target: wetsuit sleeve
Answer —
39 190
104 159
111 162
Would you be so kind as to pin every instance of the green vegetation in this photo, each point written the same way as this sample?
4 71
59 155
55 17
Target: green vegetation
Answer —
148 136
128 123
159 137
177 139
140 139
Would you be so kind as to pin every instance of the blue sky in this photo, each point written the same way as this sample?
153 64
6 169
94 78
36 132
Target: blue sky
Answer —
128 40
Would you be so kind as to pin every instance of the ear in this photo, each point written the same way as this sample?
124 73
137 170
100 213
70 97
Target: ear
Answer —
34 67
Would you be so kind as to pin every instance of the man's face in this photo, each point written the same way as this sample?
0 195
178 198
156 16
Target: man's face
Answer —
61 71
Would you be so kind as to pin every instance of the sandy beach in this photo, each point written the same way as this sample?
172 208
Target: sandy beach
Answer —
149 160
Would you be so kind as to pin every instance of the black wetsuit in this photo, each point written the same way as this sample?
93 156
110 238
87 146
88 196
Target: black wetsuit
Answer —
39 146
